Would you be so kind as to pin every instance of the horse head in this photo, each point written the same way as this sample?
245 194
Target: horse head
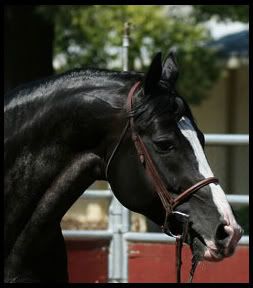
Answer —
163 121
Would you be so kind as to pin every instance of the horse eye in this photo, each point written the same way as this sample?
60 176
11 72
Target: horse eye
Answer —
164 145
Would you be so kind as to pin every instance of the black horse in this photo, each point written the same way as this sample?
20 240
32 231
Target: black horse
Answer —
59 135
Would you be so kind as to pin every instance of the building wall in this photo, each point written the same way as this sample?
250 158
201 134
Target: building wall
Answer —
226 110
240 156
212 114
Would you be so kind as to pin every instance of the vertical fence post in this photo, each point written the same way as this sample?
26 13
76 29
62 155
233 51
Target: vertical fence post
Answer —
119 224
118 214
125 45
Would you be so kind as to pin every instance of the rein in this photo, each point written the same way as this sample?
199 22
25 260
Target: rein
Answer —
169 202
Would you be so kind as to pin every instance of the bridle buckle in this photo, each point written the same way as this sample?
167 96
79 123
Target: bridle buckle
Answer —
167 229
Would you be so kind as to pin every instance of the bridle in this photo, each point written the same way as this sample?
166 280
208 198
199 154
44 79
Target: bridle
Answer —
169 202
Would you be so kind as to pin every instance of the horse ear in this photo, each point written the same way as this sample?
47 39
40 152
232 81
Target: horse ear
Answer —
170 69
154 73
179 108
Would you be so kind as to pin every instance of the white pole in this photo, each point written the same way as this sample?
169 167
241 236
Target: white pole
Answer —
119 215
125 45
119 225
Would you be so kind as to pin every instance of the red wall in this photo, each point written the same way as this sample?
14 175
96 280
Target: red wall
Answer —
153 262
87 261
156 263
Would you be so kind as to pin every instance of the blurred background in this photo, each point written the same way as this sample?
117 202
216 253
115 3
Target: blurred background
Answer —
212 49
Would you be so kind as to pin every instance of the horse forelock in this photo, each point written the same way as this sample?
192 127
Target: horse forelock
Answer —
160 105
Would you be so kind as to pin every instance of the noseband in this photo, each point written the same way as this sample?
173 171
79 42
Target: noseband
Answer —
168 201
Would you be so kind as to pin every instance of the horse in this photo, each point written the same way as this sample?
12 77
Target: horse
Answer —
66 131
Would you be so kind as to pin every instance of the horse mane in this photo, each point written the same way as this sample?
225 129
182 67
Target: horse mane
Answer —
87 77
144 111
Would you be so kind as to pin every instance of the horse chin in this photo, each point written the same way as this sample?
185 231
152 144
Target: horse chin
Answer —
198 247
211 255
202 252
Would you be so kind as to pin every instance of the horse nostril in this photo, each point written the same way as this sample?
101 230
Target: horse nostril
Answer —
221 234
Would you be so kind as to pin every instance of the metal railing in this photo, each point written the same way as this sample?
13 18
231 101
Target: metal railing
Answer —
227 139
119 235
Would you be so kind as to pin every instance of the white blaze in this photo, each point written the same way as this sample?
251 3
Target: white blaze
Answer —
218 194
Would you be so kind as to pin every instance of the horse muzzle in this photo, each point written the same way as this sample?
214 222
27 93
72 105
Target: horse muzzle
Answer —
226 240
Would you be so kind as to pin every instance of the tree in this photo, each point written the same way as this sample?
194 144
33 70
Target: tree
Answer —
92 36
222 12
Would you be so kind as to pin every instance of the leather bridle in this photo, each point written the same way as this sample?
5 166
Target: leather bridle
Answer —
169 202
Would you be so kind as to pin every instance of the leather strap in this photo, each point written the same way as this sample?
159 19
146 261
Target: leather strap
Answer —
193 189
167 200
169 203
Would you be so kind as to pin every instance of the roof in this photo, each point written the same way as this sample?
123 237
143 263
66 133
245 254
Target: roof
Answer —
232 44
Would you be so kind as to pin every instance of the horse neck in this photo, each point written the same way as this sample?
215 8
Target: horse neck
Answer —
94 103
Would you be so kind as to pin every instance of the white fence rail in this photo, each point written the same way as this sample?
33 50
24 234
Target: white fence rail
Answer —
227 139
129 236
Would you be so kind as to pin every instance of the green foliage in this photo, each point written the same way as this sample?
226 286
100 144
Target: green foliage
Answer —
222 12
199 71
92 36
